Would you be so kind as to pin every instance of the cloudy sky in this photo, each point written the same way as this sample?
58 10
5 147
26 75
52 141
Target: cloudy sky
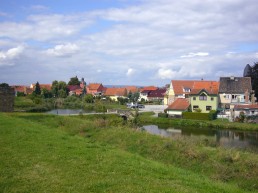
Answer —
131 42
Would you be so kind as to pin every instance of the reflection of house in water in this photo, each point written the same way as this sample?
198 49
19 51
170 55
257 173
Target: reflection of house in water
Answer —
236 138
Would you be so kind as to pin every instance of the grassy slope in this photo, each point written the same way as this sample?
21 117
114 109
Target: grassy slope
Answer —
38 157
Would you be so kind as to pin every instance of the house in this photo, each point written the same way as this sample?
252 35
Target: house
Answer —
148 88
22 89
132 89
248 110
182 88
204 99
179 106
42 86
144 95
233 91
115 93
74 90
157 95
95 89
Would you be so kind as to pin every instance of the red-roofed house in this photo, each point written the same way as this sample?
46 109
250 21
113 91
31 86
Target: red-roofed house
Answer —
182 88
114 93
42 86
148 88
74 89
204 99
177 107
96 89
132 89
248 109
22 89
157 95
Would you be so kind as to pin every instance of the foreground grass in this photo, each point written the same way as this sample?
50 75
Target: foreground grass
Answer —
45 153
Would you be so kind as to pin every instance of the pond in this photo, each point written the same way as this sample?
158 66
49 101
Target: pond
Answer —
225 138
68 111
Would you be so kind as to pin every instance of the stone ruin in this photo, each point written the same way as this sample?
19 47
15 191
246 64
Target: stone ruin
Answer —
7 95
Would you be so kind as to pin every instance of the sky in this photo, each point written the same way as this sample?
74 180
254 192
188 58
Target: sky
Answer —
126 42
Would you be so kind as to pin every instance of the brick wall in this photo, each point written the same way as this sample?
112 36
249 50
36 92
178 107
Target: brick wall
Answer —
6 99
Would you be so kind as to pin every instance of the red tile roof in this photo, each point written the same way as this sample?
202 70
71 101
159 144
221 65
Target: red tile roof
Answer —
94 86
133 89
149 88
179 104
208 91
115 92
157 93
73 87
46 86
180 85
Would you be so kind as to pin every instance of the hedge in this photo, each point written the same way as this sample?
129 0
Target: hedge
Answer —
200 116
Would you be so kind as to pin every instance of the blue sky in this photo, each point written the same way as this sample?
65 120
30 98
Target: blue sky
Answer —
136 42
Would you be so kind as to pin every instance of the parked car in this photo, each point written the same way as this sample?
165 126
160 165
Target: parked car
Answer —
141 106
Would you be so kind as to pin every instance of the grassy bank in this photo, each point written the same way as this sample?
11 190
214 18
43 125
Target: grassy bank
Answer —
147 118
97 153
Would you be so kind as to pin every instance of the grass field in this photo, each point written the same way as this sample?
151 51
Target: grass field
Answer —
47 153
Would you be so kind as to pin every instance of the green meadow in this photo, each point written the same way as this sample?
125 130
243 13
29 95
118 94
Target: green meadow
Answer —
101 153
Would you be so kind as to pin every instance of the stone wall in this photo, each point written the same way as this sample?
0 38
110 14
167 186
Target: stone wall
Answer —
6 99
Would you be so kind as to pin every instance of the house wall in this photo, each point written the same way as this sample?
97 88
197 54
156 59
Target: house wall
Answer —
226 98
6 99
143 96
203 103
171 94
174 112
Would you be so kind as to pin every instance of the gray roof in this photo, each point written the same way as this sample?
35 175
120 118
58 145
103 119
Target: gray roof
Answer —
234 85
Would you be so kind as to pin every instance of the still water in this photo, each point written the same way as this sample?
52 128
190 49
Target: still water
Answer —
225 138
68 111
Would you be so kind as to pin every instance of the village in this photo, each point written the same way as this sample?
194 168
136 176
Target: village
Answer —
229 97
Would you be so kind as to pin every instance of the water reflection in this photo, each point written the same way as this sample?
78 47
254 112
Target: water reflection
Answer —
225 138
68 111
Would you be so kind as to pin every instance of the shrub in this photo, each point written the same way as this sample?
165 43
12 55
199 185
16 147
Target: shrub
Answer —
165 115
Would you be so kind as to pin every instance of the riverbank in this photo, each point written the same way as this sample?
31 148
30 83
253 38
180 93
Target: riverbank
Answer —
148 118
97 153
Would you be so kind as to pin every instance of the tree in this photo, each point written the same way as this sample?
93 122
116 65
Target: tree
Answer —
37 90
88 98
59 89
4 85
253 73
74 81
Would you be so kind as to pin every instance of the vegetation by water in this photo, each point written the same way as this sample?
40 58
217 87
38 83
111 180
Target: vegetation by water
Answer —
148 118
101 153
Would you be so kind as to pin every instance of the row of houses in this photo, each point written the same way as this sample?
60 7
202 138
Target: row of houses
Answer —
230 95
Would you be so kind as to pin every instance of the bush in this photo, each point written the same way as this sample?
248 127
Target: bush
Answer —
165 115
199 116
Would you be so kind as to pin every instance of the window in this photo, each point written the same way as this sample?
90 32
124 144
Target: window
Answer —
187 90
195 107
212 99
203 97
194 98
208 108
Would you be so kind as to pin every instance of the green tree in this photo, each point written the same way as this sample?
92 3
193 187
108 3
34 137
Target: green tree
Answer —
46 93
37 90
4 85
88 98
74 81
54 88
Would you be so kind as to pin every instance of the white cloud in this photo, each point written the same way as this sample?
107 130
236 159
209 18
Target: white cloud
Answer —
130 72
63 50
6 57
166 73
192 54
